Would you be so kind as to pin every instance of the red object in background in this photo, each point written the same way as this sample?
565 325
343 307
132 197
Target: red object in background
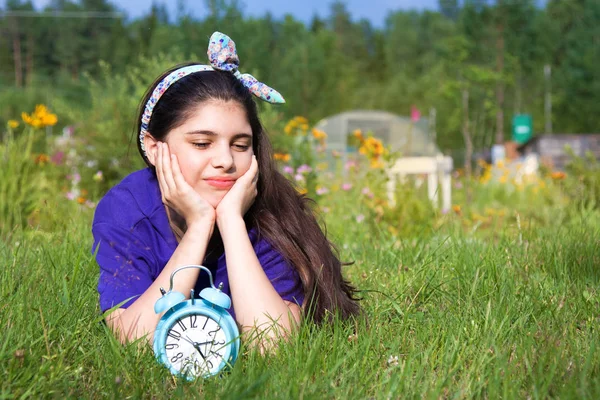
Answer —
415 114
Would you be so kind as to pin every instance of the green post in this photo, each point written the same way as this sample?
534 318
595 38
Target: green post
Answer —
522 128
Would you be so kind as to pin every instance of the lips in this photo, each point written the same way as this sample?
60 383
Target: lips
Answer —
220 183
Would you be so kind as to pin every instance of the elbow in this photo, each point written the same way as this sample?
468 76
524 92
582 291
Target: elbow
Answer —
126 330
266 335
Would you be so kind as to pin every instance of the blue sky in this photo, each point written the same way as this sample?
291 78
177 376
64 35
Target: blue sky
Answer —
373 10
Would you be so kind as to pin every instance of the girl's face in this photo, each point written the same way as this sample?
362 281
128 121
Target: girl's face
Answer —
213 147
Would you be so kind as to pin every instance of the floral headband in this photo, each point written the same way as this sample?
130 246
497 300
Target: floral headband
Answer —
222 56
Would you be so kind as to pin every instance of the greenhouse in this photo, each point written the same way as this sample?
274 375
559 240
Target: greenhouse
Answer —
400 134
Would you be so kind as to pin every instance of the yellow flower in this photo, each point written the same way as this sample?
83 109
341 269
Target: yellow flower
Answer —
12 123
376 163
319 134
40 117
302 190
372 147
358 134
456 209
282 157
300 120
558 175
481 162
42 159
49 120
81 200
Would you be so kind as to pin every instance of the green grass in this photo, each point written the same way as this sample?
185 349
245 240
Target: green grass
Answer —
450 315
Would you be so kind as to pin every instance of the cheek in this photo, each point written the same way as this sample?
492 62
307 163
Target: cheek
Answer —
191 167
244 161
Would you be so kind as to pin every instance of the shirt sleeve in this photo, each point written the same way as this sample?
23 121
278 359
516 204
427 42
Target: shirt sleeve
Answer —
283 276
125 265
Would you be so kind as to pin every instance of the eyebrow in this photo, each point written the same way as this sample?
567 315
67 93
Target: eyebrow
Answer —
211 133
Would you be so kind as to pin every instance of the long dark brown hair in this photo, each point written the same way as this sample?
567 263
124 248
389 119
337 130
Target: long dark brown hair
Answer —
279 213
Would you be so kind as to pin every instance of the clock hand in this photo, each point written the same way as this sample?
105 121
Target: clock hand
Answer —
203 343
196 346
187 339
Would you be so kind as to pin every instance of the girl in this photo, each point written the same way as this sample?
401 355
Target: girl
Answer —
211 195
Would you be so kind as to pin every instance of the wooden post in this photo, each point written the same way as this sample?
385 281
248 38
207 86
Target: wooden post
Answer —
500 84
547 100
468 143
16 40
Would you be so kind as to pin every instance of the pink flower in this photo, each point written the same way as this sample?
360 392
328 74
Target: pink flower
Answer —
322 190
76 178
288 170
351 164
304 169
58 158
71 195
360 218
346 186
367 192
98 176
298 178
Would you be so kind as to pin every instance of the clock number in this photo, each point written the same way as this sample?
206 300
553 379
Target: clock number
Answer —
177 357
193 319
172 346
212 333
210 365
205 322
174 334
182 325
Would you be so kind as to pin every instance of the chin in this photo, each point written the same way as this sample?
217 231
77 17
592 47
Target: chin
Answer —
215 199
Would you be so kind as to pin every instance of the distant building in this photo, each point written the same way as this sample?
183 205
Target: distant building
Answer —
399 133
551 148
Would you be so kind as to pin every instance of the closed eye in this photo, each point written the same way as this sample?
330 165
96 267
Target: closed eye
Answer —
201 145
241 147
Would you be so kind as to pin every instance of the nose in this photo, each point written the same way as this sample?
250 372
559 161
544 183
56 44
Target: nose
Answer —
222 157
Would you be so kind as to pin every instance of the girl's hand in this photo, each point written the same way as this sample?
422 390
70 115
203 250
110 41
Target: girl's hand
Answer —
241 195
177 193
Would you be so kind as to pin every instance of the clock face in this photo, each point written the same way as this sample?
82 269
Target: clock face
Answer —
196 345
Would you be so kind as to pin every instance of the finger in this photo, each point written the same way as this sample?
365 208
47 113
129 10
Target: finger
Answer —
253 170
159 171
166 164
177 175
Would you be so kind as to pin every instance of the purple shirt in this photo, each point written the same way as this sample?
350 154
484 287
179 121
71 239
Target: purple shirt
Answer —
134 242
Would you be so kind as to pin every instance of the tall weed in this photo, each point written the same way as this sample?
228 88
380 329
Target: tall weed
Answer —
22 183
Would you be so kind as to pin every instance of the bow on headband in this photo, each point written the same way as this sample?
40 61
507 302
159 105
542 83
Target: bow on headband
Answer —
222 56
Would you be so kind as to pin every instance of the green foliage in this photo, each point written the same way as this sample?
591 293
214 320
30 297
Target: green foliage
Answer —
22 182
584 185
338 63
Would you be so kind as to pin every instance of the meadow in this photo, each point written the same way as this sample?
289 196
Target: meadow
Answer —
496 298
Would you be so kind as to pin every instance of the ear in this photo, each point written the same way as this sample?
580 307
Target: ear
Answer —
151 146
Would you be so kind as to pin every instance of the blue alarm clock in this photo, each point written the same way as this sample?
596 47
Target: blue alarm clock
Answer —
196 337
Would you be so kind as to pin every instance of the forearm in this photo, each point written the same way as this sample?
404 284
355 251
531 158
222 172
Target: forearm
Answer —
256 302
139 319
